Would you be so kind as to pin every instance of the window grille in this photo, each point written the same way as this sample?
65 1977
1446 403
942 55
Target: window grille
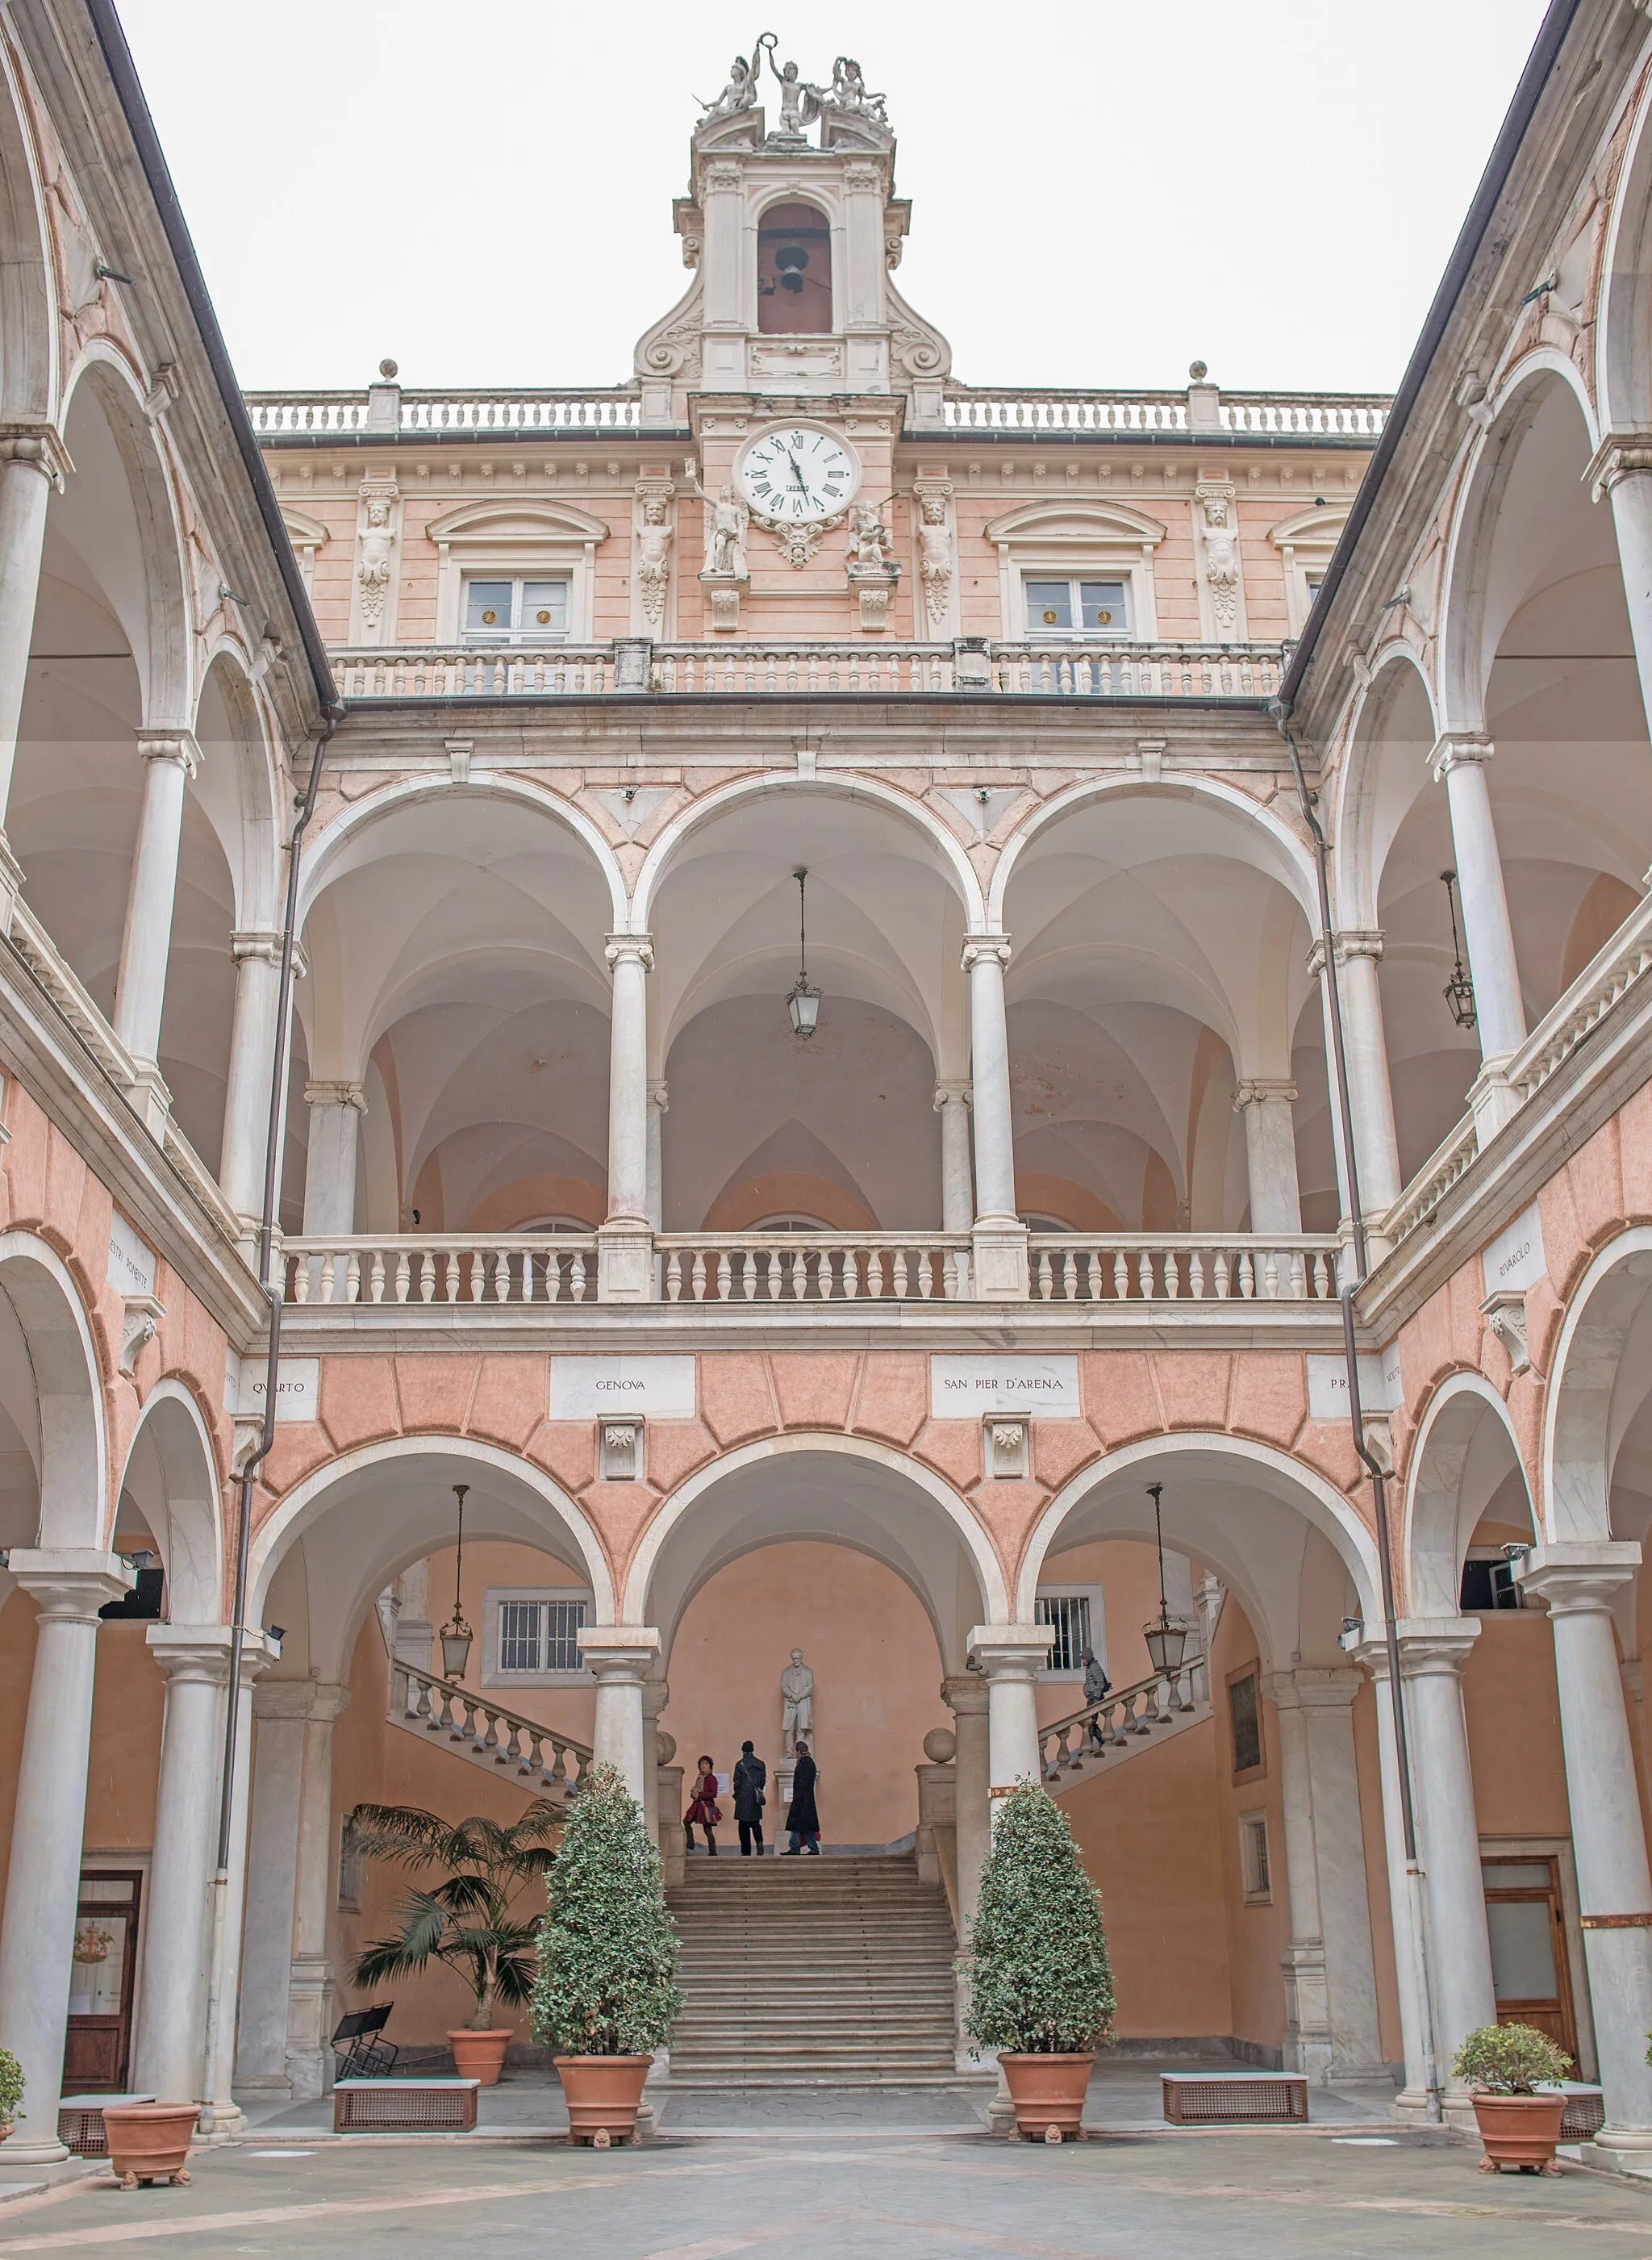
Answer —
1069 1614
540 1635
1252 1853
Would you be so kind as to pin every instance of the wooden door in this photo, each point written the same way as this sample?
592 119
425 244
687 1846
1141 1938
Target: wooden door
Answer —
1530 1967
97 2049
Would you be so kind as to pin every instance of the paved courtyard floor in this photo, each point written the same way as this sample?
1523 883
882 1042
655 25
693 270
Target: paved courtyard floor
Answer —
820 2193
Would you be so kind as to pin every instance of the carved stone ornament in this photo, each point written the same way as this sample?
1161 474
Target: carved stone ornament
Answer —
1504 1312
621 1443
141 1316
653 550
373 570
1218 528
797 544
935 552
1008 1447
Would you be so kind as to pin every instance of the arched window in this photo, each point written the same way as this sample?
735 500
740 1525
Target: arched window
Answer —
794 272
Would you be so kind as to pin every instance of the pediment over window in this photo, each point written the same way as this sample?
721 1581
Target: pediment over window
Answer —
303 533
1320 528
514 523
1080 522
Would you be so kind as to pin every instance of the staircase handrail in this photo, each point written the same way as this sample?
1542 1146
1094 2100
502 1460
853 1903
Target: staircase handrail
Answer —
1122 1712
443 1705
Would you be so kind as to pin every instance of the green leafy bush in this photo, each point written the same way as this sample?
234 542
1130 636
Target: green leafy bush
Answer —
10 2088
1042 1984
608 1946
1509 2059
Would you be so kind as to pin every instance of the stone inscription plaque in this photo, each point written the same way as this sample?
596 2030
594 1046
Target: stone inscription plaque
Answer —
968 1388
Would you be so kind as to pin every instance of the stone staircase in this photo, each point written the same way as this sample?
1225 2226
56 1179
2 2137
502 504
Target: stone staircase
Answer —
828 1972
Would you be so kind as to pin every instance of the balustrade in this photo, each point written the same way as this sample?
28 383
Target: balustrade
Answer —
1137 670
1184 1267
442 1706
1066 1743
813 1268
445 1269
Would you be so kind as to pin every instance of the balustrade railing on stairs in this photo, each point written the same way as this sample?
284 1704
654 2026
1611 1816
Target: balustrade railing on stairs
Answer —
1066 1744
441 1707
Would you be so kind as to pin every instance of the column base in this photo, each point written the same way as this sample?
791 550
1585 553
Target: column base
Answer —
998 1263
52 2153
1620 2150
1457 2107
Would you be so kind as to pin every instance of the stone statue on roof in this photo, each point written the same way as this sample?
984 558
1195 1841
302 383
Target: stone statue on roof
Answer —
740 93
849 92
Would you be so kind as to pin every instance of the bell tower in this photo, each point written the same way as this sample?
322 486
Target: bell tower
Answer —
793 239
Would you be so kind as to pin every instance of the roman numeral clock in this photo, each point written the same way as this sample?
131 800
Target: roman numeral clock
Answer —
798 482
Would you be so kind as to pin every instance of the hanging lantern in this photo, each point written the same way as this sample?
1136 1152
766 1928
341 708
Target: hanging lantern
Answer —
456 1635
1167 1643
1459 991
802 1003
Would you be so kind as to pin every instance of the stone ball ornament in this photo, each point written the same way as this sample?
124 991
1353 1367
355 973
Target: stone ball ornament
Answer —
940 1746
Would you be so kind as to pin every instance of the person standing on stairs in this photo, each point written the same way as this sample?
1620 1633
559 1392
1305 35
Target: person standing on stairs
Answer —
801 1819
750 1783
706 1809
1097 1687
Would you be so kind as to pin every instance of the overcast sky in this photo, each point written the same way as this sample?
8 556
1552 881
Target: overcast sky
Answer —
1100 193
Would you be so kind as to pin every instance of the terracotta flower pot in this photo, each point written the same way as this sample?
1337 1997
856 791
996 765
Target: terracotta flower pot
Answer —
1048 2091
1519 2130
480 2054
603 2094
149 2141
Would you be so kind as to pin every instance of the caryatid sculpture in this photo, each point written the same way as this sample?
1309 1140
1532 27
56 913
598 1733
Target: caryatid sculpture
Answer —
797 1703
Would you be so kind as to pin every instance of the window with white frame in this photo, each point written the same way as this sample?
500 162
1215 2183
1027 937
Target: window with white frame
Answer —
1256 1874
517 611
531 1635
1078 607
1074 1612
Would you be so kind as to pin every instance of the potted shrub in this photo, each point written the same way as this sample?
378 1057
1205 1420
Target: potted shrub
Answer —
607 1995
468 1919
10 2093
1502 2066
1040 1981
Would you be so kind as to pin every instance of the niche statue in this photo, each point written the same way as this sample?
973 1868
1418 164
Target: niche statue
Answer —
797 1702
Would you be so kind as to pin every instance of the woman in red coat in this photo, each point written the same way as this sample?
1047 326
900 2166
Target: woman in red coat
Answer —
705 1809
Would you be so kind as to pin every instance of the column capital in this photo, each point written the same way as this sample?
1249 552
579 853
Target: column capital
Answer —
202 1652
1620 455
1579 1577
41 446
1263 1090
618 1654
964 1694
656 1694
336 1094
1427 1646
954 1093
1011 1651
170 741
1455 749
299 1699
70 1584
1351 941
660 1097
1313 1688
257 941
630 949
978 947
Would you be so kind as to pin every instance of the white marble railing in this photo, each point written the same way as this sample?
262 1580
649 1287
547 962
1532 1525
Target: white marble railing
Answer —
801 669
545 671
1607 978
438 412
486 1729
444 1268
1182 1266
1066 1743
1360 415
813 1267
1137 670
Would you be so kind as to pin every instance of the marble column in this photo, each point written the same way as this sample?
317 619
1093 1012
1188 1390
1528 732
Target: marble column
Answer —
1000 1270
1370 1095
330 1165
286 1978
252 1057
1011 1657
659 1105
965 1696
655 1695
221 2116
618 1657
1331 2028
1622 469
171 759
414 1633
1579 1579
68 1585
168 2059
32 465
1461 760
957 1189
625 1242
1270 1152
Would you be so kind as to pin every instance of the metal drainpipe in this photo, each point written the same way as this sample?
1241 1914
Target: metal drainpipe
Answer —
1379 1490
244 1530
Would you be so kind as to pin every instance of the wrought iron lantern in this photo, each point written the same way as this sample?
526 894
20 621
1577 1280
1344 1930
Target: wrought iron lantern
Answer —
804 1002
456 1635
1459 991
1167 1643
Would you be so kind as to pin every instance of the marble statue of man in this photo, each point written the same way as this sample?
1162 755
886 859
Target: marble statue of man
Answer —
740 93
796 1697
726 534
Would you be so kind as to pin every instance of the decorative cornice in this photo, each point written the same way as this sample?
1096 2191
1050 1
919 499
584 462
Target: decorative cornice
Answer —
336 1094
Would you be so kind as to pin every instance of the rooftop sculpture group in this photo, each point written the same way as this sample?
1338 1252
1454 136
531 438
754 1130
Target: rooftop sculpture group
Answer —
801 101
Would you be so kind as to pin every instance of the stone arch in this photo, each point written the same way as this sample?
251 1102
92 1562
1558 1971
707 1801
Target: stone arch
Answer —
1259 1551
171 1473
1599 1375
71 1455
28 328
511 1497
690 820
1622 369
249 826
1464 1451
869 1525
1363 827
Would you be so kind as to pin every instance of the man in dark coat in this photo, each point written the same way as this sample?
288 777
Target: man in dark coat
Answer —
750 1780
801 1817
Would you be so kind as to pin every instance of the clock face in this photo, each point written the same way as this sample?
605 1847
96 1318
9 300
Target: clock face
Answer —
798 474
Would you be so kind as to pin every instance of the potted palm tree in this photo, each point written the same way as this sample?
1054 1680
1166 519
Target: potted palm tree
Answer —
469 1919
1503 2066
1040 1981
606 1995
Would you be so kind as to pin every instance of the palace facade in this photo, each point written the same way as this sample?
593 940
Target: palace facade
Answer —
811 989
